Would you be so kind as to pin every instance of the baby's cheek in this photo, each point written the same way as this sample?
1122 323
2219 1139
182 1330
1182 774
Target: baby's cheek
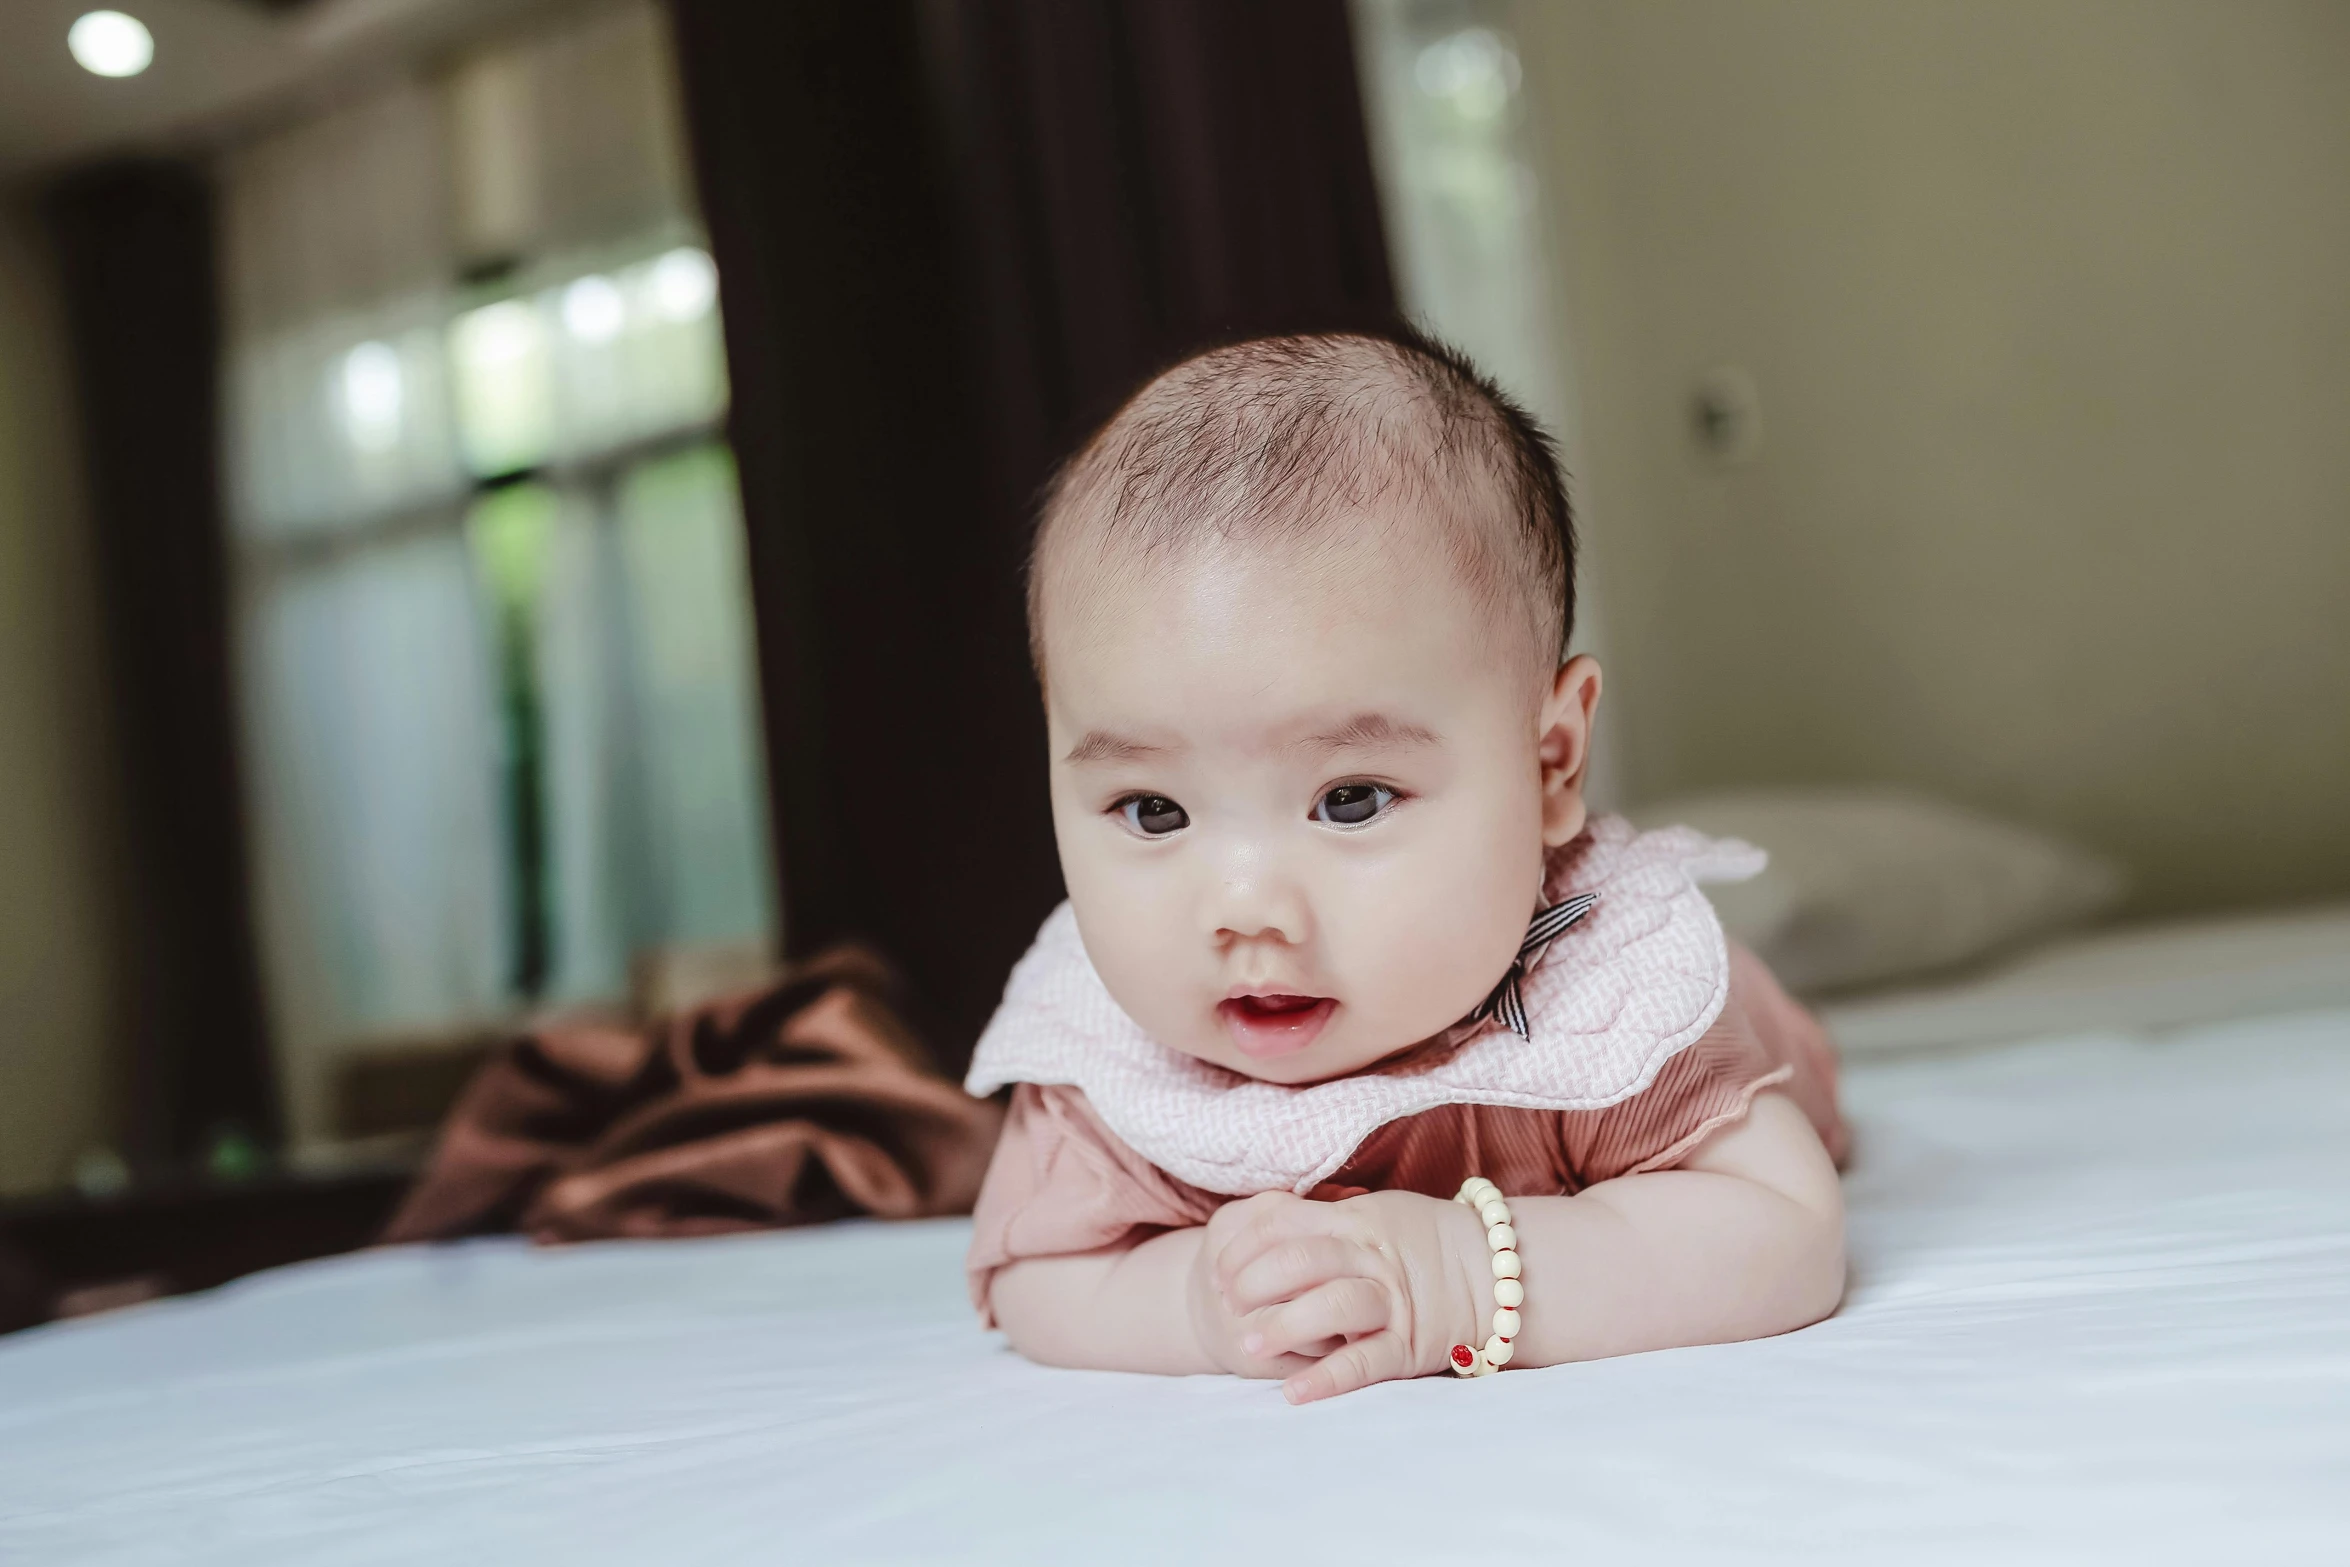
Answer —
1425 947
1129 939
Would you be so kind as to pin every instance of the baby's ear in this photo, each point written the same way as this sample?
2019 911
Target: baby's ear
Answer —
1563 743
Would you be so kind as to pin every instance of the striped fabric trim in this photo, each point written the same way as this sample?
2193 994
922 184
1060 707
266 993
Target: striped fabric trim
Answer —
1508 1001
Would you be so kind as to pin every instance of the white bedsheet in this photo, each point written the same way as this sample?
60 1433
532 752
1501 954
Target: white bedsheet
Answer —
2100 1312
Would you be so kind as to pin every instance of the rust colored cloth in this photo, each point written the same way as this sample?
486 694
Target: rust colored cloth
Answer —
805 1101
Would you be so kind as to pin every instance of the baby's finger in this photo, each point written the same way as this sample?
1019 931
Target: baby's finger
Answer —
1266 1225
1382 1357
1286 1268
1233 1217
1340 1309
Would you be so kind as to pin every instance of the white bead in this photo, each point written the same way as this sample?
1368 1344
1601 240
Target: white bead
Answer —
1476 1190
1495 1211
1502 1238
1509 1292
1506 1323
1498 1351
1505 1264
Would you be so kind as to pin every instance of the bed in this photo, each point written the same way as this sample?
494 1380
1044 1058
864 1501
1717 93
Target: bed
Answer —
2100 1310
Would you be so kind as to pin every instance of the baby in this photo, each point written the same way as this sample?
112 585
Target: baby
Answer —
1342 940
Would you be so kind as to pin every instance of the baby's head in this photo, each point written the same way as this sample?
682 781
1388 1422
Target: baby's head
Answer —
1300 610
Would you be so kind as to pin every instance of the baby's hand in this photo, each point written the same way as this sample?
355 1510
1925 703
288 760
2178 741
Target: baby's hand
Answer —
1365 1290
1221 1328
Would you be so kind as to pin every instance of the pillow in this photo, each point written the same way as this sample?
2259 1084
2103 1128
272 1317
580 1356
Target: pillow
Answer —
1868 886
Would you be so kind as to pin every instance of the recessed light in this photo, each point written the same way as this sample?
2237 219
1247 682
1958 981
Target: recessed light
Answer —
108 43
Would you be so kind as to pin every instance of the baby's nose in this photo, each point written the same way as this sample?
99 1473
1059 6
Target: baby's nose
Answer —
1255 899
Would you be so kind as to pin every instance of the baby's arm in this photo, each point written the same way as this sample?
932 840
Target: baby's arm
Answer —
1123 1309
1148 1307
1742 1240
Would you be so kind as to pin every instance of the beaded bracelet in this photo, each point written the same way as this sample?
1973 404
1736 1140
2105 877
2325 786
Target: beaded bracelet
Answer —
1509 1293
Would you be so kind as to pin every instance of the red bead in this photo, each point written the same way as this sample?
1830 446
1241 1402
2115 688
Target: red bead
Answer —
1462 1354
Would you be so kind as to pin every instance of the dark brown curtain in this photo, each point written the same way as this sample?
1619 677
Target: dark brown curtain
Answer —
1136 179
890 677
135 248
951 235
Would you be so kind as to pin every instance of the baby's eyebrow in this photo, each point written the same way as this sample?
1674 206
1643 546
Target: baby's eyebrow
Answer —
1099 745
1367 730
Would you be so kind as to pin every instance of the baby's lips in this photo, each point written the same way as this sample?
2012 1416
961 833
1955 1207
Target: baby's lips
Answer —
1263 1029
1276 1003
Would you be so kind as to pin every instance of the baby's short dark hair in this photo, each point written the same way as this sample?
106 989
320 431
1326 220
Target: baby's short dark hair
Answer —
1275 435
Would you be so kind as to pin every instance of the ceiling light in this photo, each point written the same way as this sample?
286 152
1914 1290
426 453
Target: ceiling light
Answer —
108 43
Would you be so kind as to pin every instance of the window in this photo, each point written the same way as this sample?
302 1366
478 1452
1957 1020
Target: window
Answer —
1455 154
1453 139
502 718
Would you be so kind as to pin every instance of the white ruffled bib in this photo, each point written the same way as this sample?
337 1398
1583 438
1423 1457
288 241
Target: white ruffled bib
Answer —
1612 999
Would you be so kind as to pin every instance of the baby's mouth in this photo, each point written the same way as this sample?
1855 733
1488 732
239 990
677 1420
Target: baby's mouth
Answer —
1276 1024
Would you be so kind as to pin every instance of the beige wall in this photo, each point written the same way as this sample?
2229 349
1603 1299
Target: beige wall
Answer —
2048 302
56 1080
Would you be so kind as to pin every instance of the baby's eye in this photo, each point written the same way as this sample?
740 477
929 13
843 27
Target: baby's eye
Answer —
1152 815
1351 805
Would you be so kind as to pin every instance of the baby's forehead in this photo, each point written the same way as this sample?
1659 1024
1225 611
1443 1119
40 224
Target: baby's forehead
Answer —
1349 563
1259 644
1378 558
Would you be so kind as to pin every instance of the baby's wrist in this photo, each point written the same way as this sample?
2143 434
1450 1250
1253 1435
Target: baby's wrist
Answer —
1468 1274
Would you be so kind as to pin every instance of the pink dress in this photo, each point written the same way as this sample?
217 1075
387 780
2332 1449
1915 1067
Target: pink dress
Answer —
1062 1181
